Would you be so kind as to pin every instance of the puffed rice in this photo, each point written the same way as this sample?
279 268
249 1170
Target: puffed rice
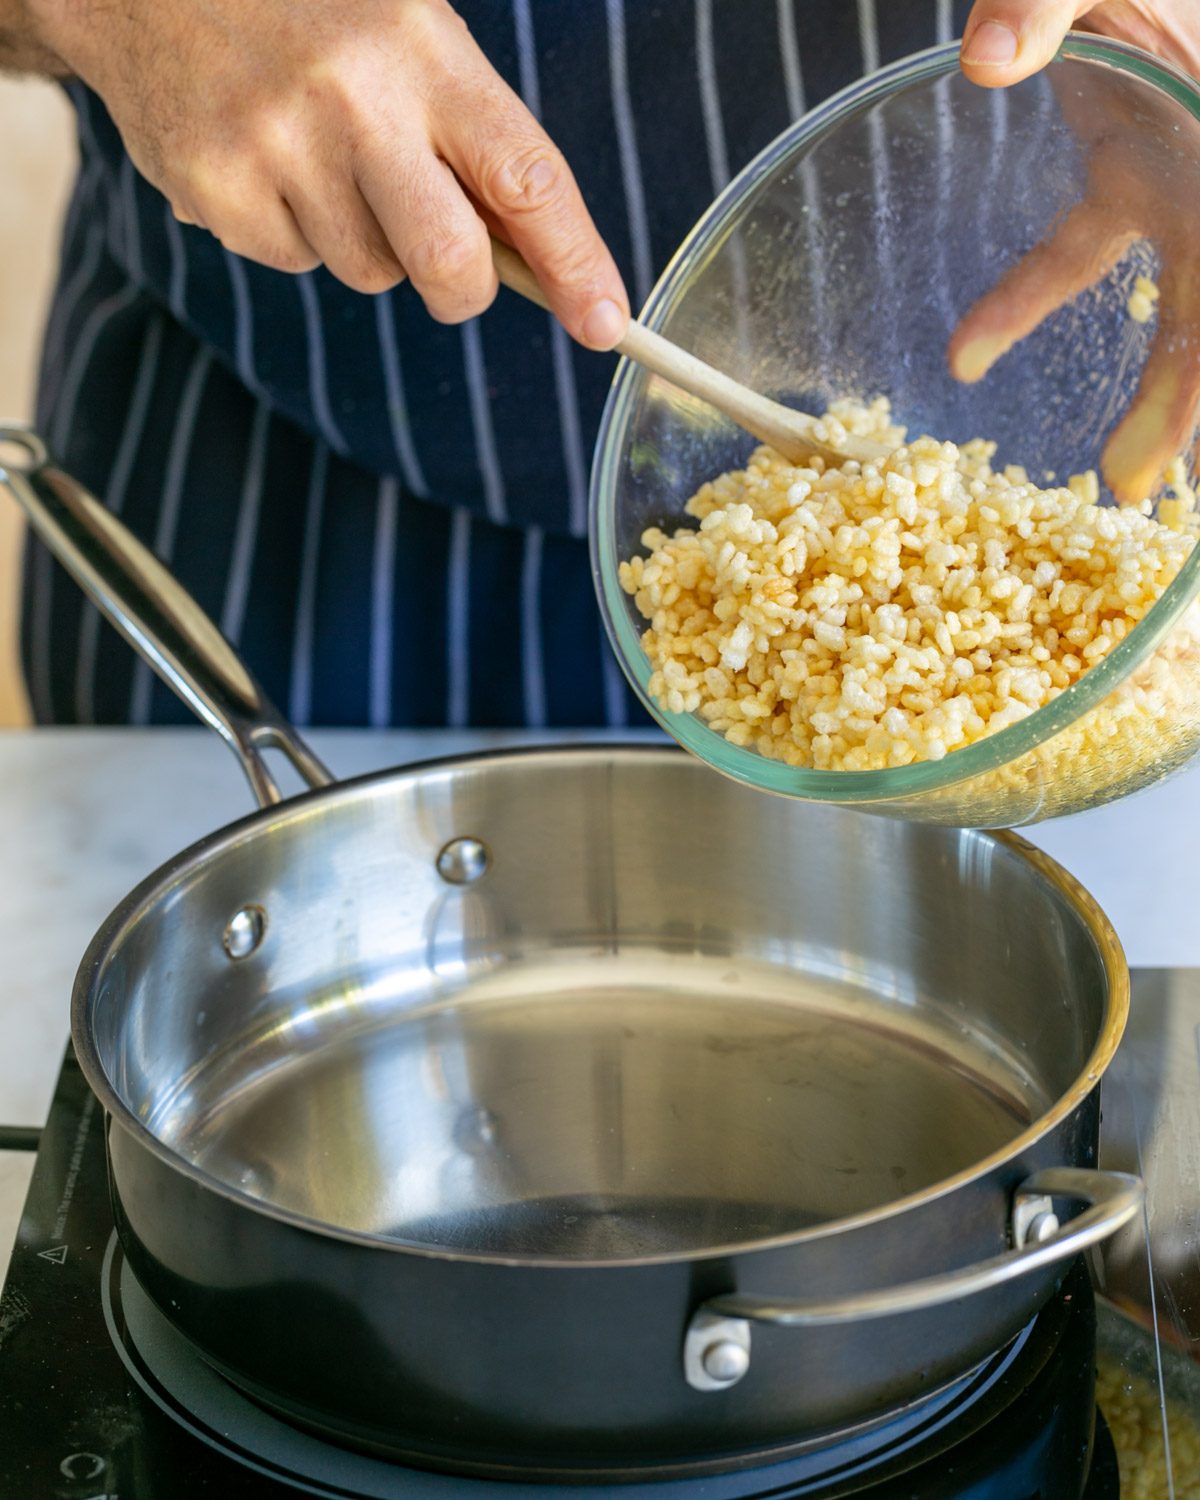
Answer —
847 617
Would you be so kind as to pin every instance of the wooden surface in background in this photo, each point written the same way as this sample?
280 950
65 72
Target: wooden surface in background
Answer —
37 161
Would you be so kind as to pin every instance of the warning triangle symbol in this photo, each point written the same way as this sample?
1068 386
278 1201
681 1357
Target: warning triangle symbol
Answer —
57 1255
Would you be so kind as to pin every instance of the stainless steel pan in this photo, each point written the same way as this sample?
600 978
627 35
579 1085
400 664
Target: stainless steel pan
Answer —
580 1112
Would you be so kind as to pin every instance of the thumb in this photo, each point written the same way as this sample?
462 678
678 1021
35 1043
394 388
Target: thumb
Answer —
1007 40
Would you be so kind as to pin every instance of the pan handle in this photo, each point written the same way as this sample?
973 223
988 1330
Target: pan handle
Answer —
155 614
717 1344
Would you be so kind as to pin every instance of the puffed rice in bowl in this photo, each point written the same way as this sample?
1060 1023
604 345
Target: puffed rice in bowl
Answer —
867 621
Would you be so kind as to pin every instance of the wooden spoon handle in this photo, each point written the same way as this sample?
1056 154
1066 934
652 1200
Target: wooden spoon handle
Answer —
515 274
789 432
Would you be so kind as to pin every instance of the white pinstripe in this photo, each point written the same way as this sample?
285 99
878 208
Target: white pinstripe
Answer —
710 98
565 390
383 593
481 421
999 102
631 167
120 219
168 515
789 53
81 355
83 112
397 404
998 153
72 294
532 654
945 20
881 171
133 228
885 254
84 188
300 691
572 432
41 580
114 498
944 95
532 663
615 701
458 622
718 167
245 537
243 322
814 230
318 386
177 281
868 35
527 57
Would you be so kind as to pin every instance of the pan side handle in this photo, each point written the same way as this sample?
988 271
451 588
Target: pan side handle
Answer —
717 1343
155 614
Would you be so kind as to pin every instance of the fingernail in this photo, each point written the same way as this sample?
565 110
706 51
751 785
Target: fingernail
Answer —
1134 457
1130 477
992 45
976 358
604 325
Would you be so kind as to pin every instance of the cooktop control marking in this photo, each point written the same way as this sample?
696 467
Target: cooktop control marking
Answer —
81 1466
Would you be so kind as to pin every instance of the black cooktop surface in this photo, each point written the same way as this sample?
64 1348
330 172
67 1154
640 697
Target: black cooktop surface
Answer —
100 1399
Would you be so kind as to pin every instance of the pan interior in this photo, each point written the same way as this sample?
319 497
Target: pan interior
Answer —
671 1015
582 1107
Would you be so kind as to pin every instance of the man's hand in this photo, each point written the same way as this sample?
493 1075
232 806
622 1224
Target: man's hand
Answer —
1139 187
370 135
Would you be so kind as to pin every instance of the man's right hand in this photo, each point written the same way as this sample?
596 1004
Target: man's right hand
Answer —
370 135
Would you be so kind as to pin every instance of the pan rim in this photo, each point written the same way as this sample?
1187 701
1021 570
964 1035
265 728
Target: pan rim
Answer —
85 993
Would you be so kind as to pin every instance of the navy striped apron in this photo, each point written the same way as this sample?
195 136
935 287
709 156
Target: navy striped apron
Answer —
387 515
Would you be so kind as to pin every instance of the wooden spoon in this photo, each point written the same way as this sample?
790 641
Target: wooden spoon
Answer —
791 433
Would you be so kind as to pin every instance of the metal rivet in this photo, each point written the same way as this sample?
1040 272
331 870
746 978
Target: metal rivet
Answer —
725 1361
463 861
1030 1209
1042 1227
244 931
716 1351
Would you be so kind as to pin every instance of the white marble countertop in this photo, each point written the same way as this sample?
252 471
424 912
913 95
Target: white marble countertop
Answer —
85 814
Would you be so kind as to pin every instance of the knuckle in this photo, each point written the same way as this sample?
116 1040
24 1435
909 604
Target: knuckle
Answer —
223 183
454 259
527 180
198 182
277 135
432 32
251 236
574 267
367 272
293 260
461 308
338 97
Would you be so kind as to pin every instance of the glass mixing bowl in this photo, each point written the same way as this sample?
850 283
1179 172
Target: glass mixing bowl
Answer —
838 264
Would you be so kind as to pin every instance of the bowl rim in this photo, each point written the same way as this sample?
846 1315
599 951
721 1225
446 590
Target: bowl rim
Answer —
986 754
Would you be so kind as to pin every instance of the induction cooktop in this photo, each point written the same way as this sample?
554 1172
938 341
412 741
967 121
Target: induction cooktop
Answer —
101 1399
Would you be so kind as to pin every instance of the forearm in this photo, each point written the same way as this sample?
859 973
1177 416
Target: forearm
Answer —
22 49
